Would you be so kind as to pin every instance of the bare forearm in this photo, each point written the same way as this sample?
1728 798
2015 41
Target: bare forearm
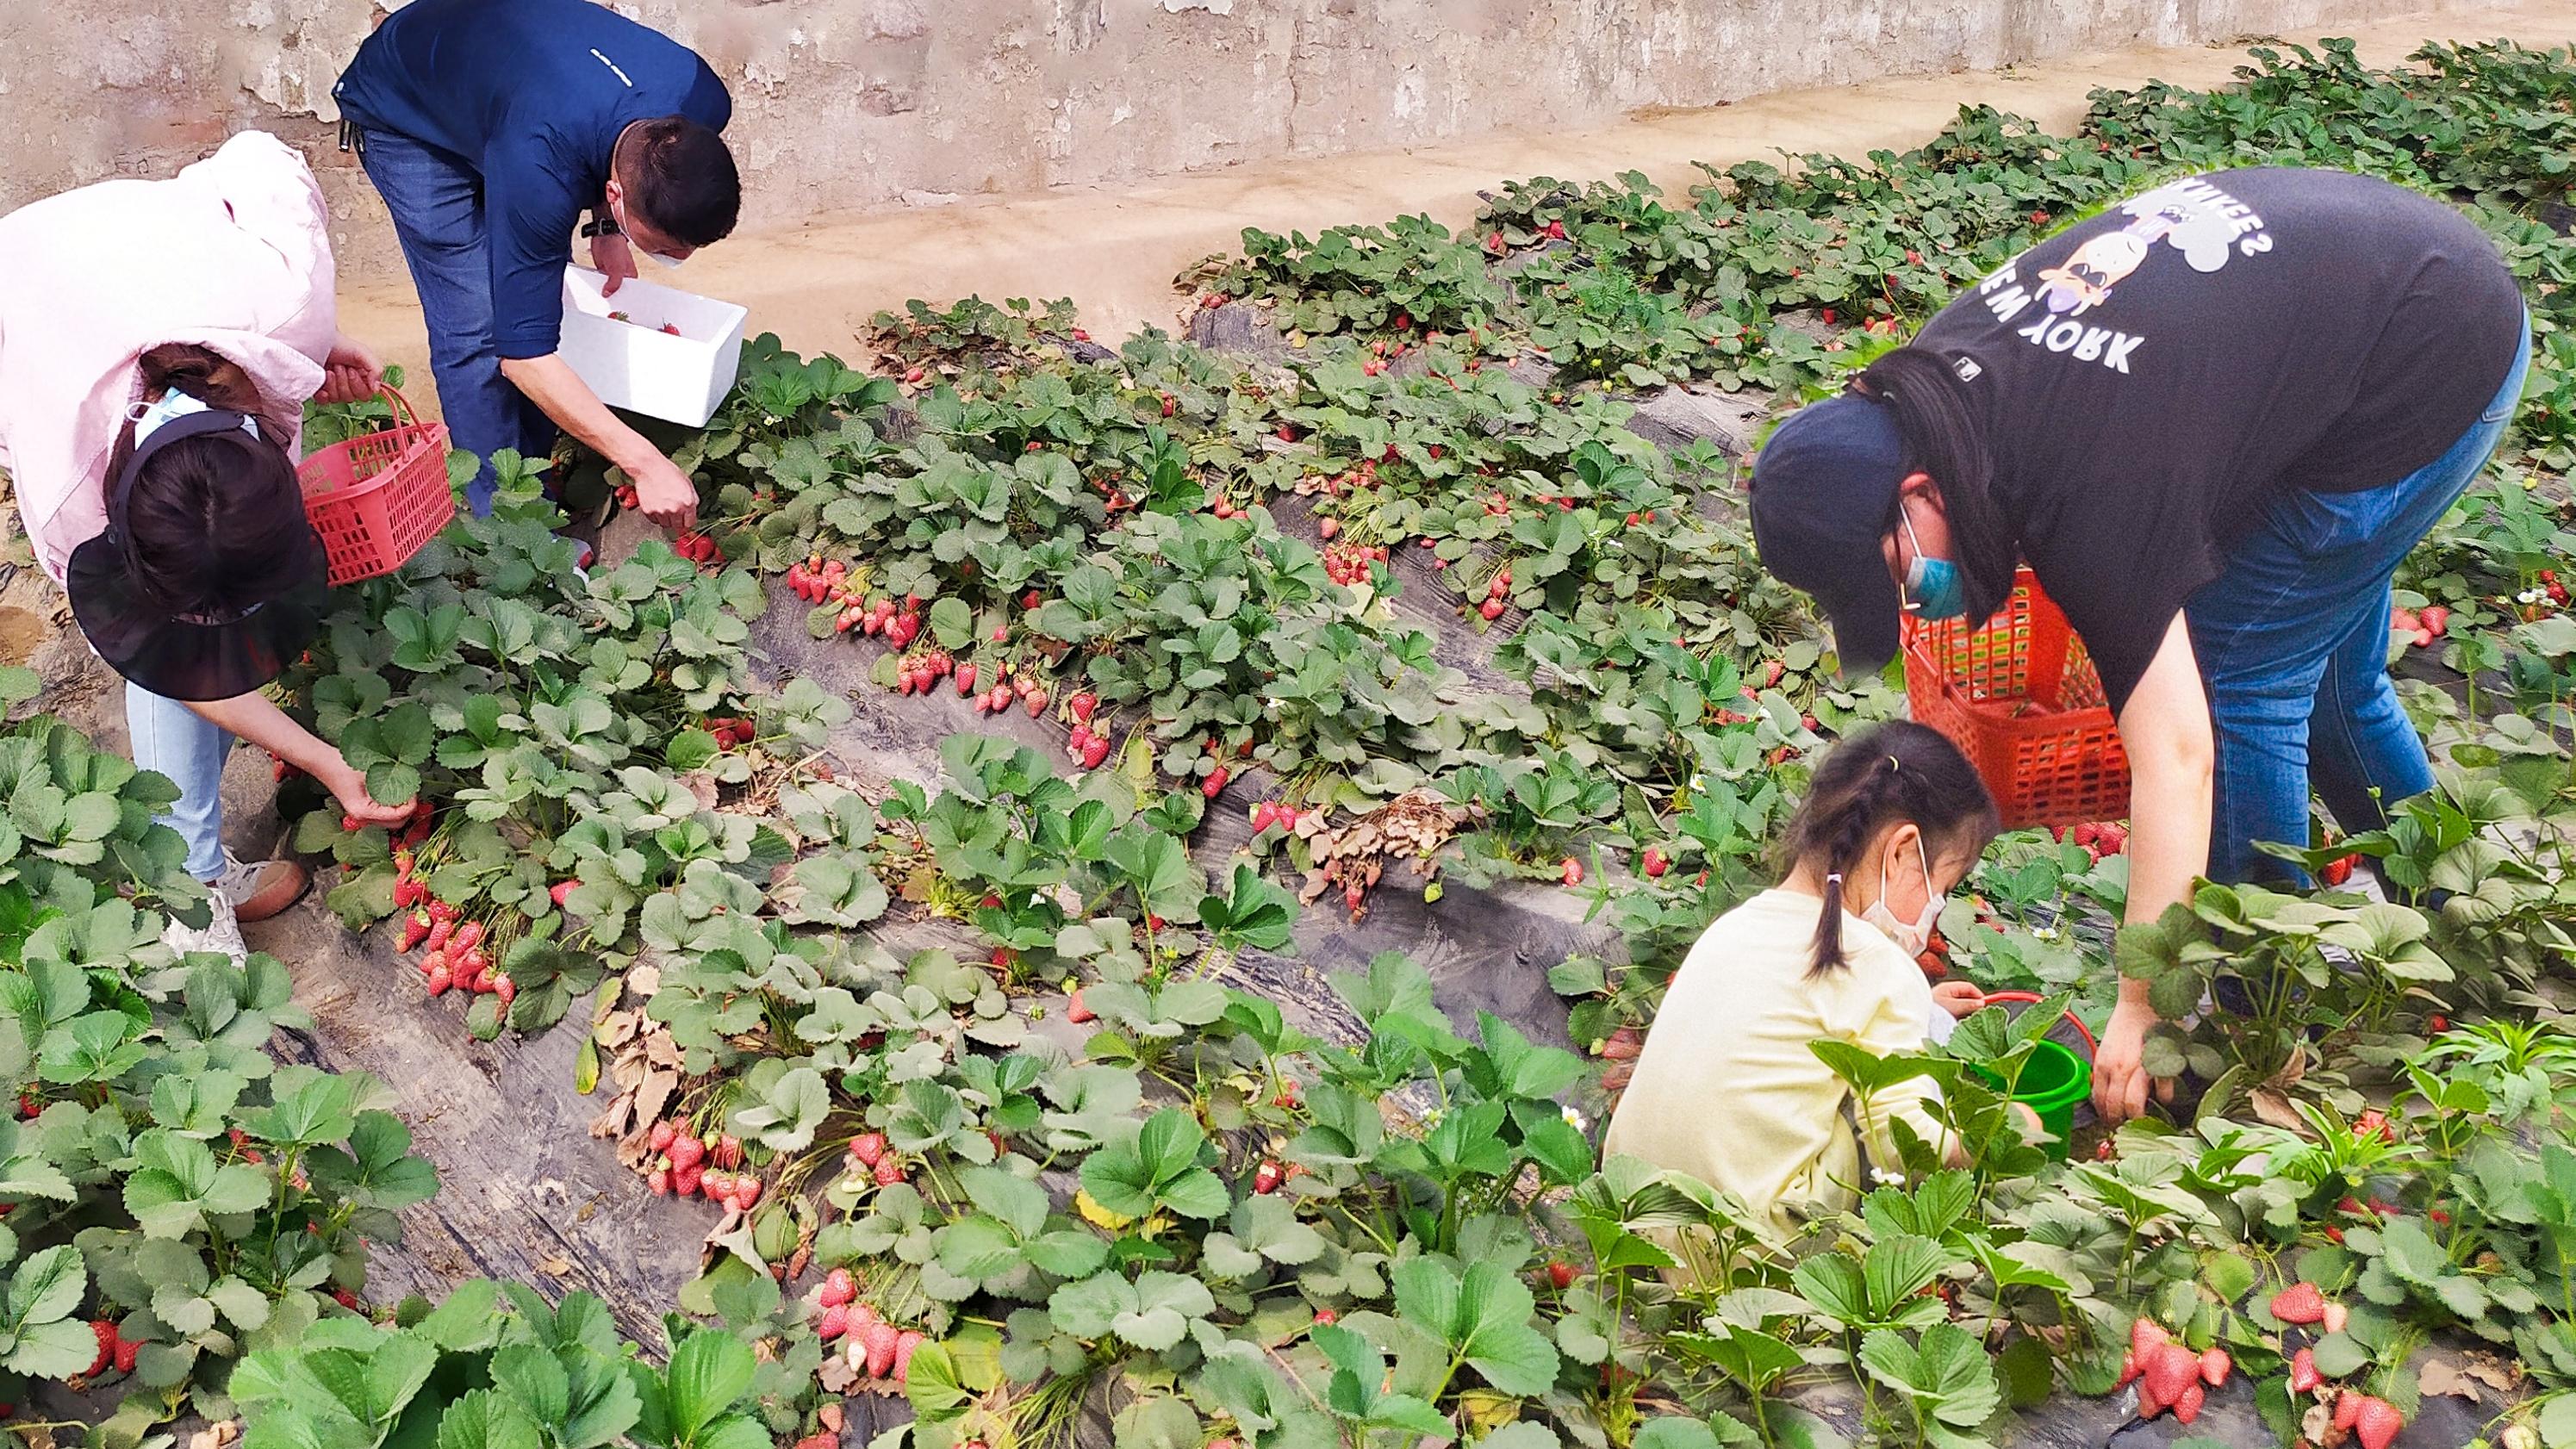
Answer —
254 718
559 392
2172 772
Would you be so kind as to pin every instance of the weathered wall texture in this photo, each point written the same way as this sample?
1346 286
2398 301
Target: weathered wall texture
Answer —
865 103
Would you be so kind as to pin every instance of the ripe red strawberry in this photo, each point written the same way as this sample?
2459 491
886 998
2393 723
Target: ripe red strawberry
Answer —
819 1441
1265 1178
686 1181
662 1134
2299 1303
1214 783
1490 609
2436 620
2347 1409
2171 1369
2437 1023
834 1322
2303 1371
659 1180
2187 1408
416 929
1037 702
1654 863
716 1183
1324 1316
1560 1274
726 1151
440 932
440 978
2128 1370
904 1344
746 1192
345 1299
106 1332
889 1170
503 987
838 1288
2214 1364
965 680
1076 1012
868 1147
127 1350
2377 1423
879 1339
1082 706
687 1152
561 891
1571 871
1095 752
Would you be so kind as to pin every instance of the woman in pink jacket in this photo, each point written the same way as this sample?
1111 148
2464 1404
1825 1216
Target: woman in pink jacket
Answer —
158 340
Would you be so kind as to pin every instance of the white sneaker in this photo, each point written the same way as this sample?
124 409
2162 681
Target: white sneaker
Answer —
221 934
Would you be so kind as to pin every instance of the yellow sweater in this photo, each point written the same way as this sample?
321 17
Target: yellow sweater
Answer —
1725 1087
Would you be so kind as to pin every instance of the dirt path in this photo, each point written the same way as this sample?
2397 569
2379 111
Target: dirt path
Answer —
1115 251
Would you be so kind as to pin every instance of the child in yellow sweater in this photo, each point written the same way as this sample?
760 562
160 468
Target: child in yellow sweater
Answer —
1725 1088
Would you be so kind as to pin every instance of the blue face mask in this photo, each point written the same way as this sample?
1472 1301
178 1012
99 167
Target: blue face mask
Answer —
1934 588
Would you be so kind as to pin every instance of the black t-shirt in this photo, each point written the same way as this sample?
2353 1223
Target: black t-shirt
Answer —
2152 377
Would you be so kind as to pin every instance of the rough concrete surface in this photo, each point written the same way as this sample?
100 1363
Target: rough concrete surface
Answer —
864 103
814 276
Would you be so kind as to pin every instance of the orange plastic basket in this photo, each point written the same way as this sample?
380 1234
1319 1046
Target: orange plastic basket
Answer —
2020 697
376 498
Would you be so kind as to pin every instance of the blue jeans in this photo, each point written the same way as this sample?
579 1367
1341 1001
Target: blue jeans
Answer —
437 205
2292 641
174 740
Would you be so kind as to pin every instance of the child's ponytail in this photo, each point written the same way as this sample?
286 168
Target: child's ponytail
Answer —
1886 775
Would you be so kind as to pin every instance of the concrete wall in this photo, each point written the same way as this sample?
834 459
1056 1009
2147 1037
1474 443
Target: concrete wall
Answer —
873 103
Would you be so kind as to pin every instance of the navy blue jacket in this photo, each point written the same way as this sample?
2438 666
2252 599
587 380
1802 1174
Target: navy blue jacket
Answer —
531 95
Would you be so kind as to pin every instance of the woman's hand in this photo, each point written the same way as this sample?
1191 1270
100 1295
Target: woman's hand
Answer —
2120 1081
350 374
1961 999
349 787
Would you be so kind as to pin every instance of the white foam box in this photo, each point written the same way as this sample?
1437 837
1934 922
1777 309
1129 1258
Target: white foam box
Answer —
634 364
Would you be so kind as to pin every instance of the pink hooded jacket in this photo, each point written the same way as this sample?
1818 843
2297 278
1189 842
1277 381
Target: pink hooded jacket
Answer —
233 255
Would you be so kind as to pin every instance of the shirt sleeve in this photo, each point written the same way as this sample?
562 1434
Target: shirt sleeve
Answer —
2122 557
532 212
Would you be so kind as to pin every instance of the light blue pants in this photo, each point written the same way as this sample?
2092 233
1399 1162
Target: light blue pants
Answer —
174 740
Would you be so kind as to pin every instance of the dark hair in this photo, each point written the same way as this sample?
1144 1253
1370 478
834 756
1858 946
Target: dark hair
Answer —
212 521
1889 774
1945 441
682 178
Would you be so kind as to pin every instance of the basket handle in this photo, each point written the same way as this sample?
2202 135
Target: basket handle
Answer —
400 406
2091 1046
2046 670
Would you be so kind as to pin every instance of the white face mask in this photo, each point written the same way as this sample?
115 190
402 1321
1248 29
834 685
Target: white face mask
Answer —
627 228
1913 937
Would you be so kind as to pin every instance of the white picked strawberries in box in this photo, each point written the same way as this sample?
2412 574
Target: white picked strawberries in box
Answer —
651 349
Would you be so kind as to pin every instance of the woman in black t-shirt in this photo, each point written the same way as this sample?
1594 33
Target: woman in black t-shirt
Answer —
2213 420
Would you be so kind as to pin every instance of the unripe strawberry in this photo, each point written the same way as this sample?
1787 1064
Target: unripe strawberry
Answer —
1571 872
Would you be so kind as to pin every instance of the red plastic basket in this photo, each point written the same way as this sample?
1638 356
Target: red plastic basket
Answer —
2020 697
376 498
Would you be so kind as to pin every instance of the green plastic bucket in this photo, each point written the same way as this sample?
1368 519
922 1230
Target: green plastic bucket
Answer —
2052 1082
